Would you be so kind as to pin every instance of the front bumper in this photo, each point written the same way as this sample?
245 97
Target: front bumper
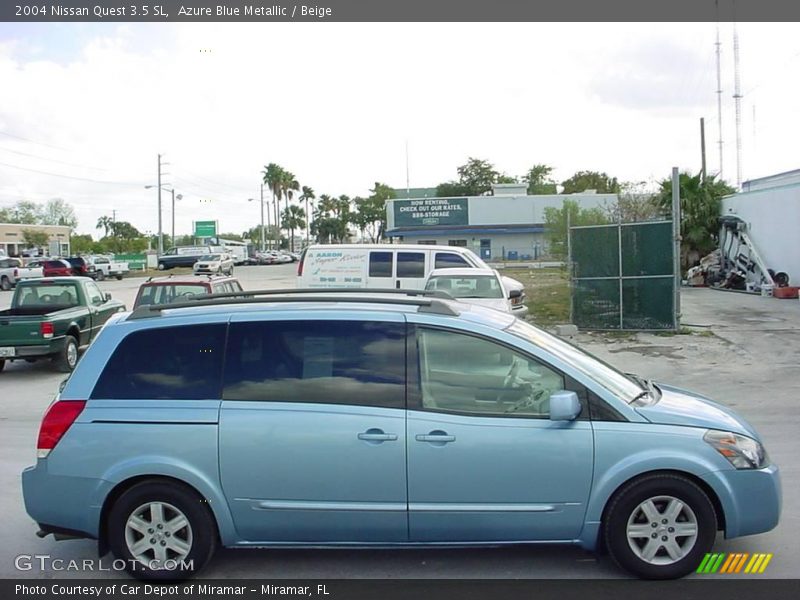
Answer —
751 499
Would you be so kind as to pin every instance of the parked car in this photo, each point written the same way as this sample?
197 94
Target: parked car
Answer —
383 266
166 290
81 267
12 270
363 420
214 263
52 318
106 267
53 267
484 287
181 256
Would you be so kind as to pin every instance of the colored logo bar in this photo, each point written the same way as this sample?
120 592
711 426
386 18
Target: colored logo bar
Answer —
735 562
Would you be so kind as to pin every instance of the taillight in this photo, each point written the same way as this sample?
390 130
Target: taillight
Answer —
57 420
16 273
300 264
46 329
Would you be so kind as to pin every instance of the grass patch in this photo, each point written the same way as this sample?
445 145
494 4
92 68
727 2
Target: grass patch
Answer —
547 292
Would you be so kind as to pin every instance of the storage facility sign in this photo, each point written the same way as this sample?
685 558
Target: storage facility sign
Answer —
431 211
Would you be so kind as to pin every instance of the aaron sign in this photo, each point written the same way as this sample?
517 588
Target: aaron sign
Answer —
431 211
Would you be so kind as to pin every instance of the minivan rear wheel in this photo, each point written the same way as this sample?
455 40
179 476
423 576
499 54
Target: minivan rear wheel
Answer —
162 531
660 526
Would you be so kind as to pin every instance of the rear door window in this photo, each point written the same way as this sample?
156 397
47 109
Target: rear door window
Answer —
324 362
411 264
168 363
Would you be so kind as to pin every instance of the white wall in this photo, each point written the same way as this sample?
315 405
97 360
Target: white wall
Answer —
773 223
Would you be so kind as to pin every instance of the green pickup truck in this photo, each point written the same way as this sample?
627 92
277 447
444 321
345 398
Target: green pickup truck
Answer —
53 318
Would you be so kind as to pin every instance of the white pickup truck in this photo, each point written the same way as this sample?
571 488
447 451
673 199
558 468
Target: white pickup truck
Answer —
12 271
105 267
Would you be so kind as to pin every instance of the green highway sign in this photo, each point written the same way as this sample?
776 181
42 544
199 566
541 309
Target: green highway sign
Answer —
205 229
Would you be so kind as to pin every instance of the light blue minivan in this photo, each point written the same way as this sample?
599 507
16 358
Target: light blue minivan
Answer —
344 420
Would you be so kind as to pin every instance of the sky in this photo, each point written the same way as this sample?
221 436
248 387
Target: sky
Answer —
85 108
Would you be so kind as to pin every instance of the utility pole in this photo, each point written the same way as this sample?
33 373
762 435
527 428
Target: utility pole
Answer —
160 232
703 148
737 97
719 94
263 232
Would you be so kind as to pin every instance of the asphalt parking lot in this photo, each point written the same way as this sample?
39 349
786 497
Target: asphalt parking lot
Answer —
743 354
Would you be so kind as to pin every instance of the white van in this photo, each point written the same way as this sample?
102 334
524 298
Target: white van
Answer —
382 265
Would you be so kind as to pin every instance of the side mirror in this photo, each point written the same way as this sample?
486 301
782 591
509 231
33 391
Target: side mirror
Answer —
514 294
564 406
107 296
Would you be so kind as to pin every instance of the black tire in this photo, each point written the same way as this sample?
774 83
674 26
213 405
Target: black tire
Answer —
2 364
624 505
101 275
119 277
201 530
161 266
68 357
5 284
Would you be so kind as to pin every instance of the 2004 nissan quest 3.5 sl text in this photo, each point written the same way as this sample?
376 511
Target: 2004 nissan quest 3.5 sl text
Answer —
288 418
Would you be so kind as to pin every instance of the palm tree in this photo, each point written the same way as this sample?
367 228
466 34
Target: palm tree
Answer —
289 185
105 222
308 194
273 179
294 218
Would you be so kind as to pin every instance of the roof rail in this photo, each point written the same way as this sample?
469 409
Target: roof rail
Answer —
301 291
429 305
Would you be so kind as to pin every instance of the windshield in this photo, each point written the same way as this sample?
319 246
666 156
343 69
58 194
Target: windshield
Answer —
210 257
616 382
470 286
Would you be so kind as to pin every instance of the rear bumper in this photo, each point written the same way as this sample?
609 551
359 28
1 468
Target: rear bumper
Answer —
54 346
61 504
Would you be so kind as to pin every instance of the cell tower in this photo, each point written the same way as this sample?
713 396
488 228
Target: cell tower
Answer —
737 97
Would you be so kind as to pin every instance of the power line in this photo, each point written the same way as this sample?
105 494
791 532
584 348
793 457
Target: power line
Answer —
127 183
32 141
63 162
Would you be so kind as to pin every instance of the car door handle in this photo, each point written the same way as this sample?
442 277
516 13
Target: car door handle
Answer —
377 435
440 437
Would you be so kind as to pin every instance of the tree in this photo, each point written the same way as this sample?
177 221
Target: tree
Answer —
331 219
307 195
25 212
701 201
254 234
289 185
570 213
273 179
84 244
293 218
35 238
370 213
539 180
591 180
635 204
475 178
58 212
106 223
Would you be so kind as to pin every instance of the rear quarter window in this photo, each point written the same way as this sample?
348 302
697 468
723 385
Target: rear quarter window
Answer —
449 260
169 363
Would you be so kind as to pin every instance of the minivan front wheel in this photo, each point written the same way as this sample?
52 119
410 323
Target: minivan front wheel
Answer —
161 531
660 526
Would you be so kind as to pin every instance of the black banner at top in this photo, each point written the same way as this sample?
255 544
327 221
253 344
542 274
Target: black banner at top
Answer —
398 10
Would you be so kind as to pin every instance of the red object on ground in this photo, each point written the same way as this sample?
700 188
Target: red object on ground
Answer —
785 292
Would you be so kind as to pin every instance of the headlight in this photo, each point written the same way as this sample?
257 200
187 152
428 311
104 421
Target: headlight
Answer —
741 451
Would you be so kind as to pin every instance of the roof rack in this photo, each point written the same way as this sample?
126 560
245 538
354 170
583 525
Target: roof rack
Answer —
432 304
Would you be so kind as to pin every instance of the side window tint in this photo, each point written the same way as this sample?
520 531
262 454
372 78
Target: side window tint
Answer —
95 295
448 260
465 374
171 363
380 264
325 362
411 264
